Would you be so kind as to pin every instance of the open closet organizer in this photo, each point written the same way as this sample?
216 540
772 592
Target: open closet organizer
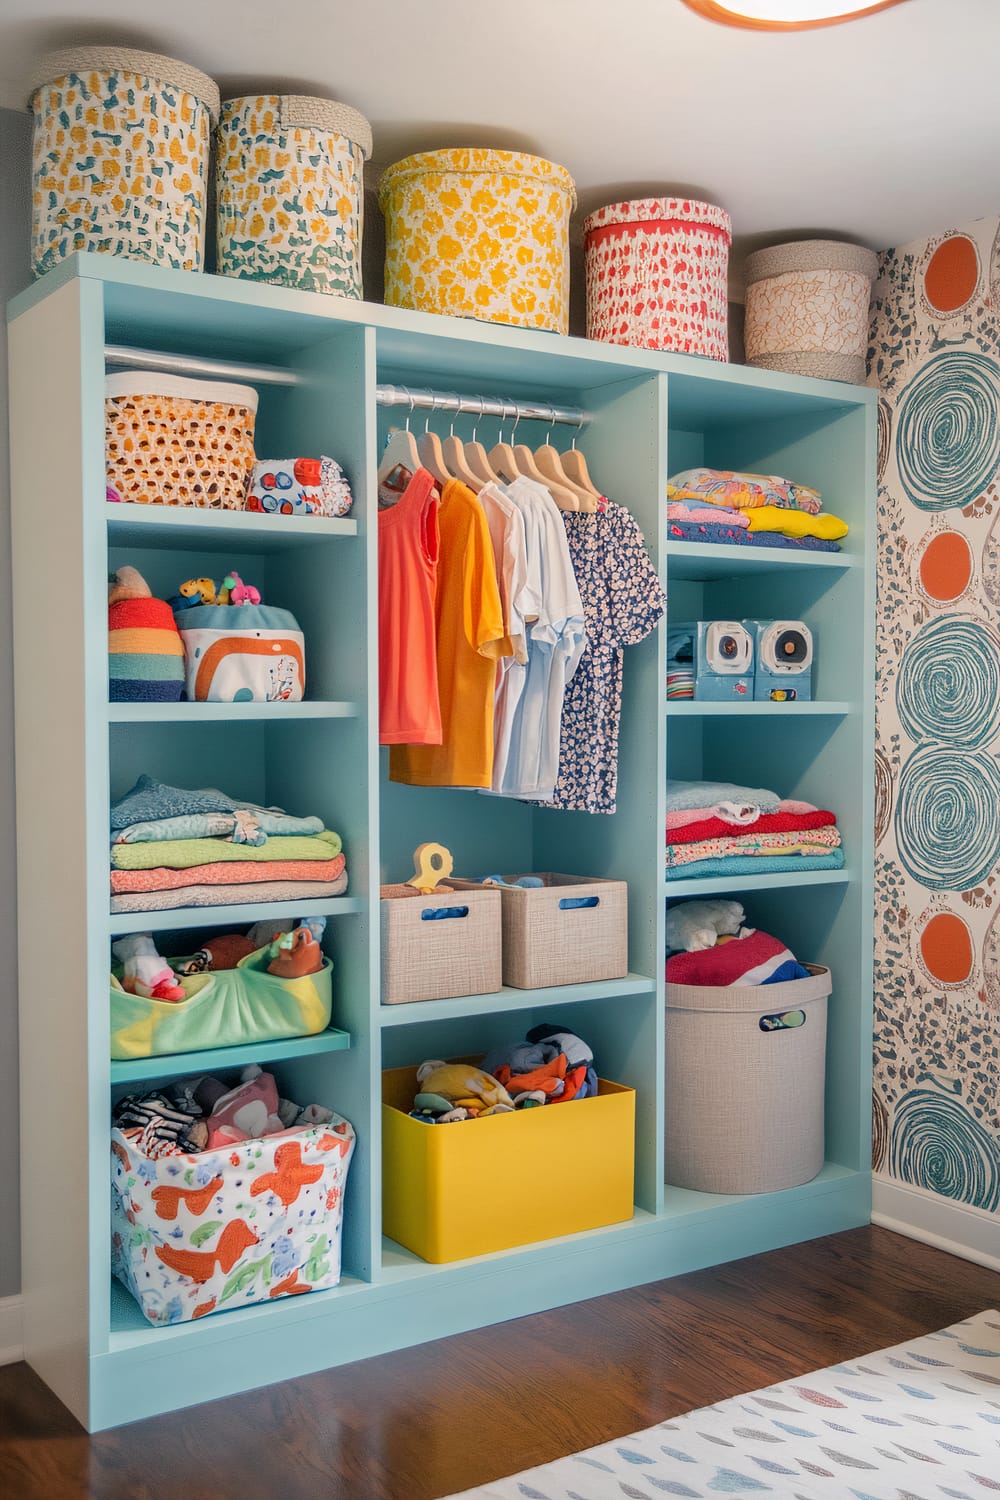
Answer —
648 415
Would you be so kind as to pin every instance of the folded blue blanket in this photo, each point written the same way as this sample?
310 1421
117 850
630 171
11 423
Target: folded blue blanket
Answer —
683 796
750 864
152 811
738 536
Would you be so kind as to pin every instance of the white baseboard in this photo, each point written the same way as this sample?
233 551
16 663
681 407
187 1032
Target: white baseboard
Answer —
971 1233
11 1331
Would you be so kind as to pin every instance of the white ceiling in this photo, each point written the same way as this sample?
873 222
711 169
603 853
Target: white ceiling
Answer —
881 130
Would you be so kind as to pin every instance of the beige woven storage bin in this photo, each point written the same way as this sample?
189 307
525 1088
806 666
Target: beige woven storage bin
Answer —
432 958
479 234
174 441
807 308
120 157
744 1092
548 942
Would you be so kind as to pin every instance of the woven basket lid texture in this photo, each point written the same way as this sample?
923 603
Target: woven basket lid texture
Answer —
642 210
810 255
154 65
474 161
306 112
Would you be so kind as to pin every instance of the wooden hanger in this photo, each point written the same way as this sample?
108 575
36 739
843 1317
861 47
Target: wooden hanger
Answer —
575 468
502 459
565 497
454 456
549 461
431 454
400 451
476 458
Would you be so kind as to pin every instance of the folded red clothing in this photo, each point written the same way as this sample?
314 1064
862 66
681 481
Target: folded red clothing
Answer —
779 822
756 959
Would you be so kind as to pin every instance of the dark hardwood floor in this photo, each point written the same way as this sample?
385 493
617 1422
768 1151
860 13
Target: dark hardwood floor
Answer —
428 1421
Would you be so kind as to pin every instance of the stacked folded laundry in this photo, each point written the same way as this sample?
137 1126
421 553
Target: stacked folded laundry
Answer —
171 847
719 828
750 510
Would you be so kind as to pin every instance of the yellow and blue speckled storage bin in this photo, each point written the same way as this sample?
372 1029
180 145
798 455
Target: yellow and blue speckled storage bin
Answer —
120 157
479 234
290 191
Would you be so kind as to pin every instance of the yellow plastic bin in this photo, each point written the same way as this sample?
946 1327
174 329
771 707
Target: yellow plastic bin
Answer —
290 191
479 234
120 157
476 1186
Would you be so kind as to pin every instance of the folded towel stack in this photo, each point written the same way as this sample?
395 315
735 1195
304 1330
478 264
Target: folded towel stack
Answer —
762 510
718 828
171 847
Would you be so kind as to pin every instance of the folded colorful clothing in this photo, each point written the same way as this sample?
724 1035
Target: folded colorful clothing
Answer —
778 864
245 872
779 822
230 895
743 803
800 543
733 814
244 825
757 958
183 854
735 536
795 523
754 845
689 510
150 804
305 486
741 491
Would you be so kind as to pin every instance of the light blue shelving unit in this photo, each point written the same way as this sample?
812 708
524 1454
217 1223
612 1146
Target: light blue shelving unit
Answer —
650 415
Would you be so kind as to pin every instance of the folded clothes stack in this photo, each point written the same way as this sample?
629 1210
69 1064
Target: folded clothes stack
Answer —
718 828
171 847
750 510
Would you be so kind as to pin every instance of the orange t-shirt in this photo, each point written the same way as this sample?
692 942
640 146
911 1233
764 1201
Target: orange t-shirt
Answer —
470 638
408 708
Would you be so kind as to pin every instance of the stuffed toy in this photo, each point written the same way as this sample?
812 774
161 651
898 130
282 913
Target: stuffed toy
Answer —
694 925
146 973
445 1087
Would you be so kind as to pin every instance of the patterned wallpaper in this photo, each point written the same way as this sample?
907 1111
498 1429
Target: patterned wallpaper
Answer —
935 357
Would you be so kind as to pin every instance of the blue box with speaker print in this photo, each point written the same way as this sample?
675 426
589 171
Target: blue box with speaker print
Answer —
719 654
783 660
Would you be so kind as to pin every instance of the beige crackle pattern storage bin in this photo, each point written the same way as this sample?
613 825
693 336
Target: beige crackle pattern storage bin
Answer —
431 957
174 441
744 1084
479 234
573 929
807 308
120 157
290 192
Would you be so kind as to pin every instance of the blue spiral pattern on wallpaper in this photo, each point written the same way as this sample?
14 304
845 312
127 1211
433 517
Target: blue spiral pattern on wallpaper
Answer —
947 430
936 1144
948 684
948 817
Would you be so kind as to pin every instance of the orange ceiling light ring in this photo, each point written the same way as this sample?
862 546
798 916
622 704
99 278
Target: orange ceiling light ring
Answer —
779 15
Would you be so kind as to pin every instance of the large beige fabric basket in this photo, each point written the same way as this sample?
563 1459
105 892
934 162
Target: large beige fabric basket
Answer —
570 930
807 308
433 958
745 1084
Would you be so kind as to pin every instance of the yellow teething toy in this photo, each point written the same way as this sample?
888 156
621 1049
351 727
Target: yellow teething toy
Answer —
432 863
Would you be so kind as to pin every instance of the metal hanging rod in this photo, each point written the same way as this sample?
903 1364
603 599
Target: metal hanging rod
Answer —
480 406
385 395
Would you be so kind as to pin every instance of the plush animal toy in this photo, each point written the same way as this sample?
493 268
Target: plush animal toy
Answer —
448 1086
295 954
127 583
221 952
240 592
694 925
146 973
202 591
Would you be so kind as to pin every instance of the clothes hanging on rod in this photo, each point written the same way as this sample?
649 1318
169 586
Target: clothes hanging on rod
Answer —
408 547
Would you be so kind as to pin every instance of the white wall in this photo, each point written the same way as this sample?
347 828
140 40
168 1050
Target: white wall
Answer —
15 146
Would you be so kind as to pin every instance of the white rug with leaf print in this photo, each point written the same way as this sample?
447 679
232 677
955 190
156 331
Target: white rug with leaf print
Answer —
920 1421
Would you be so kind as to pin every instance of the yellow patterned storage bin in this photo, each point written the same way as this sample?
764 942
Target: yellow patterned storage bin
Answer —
172 441
120 157
479 234
290 191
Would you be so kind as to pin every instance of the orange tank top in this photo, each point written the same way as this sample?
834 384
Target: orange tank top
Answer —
409 707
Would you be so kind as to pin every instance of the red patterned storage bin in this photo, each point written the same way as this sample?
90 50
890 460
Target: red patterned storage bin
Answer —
657 275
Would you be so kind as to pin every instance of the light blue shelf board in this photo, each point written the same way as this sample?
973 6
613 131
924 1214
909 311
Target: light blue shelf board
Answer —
231 916
705 561
712 885
181 526
330 1040
203 713
684 708
511 999
683 1202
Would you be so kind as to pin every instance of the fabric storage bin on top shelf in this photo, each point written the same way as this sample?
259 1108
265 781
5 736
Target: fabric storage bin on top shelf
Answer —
227 1008
120 157
290 191
807 308
569 930
744 1084
657 275
479 234
247 653
174 441
220 1229
473 1187
440 945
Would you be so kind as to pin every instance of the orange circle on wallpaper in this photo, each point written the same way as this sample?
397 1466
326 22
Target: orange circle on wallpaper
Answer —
952 273
946 566
946 948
